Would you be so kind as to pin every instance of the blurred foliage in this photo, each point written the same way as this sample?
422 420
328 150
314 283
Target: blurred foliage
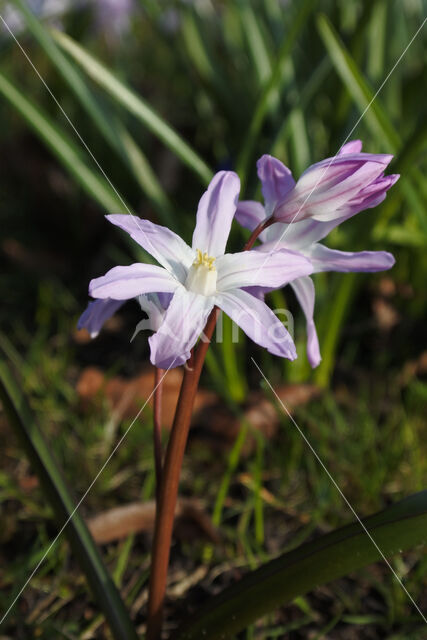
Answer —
181 89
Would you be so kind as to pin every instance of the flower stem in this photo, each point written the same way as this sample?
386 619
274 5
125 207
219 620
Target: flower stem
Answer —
257 231
168 492
166 504
157 425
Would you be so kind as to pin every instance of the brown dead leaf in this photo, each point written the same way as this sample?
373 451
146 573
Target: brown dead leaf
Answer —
126 395
117 523
385 314
387 287
28 483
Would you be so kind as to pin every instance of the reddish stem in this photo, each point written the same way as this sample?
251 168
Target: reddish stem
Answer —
157 425
169 486
168 493
256 232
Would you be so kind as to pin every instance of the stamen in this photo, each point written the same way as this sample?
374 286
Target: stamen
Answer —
204 260
202 275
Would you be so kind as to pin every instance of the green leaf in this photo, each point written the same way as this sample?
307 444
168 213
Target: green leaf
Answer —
357 86
67 71
331 328
336 554
114 132
39 453
272 87
64 149
146 176
128 98
370 106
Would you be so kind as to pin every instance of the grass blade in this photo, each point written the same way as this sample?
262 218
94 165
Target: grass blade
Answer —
331 556
133 103
63 148
68 72
361 92
271 88
39 453
116 136
376 118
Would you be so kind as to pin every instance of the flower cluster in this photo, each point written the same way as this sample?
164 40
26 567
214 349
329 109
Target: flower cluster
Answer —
180 292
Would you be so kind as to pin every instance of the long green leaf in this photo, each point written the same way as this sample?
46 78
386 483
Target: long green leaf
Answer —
64 149
331 328
356 84
271 88
370 106
67 71
114 133
128 98
39 453
328 558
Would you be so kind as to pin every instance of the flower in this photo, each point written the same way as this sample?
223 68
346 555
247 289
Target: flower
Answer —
202 277
303 236
333 188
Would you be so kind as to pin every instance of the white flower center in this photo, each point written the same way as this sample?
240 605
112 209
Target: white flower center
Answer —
202 275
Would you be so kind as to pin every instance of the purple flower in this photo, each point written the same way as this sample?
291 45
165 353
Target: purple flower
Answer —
202 276
333 188
303 236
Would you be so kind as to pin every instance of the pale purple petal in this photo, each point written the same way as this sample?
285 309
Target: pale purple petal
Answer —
335 187
260 268
153 307
250 214
302 234
299 235
354 146
97 313
258 322
122 283
182 324
276 181
215 214
304 291
325 259
372 195
162 243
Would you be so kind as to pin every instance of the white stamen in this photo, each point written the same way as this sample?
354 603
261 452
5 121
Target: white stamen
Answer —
202 275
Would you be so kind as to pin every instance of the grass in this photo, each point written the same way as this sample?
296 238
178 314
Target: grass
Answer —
228 84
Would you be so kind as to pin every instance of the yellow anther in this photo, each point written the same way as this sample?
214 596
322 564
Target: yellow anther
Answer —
204 260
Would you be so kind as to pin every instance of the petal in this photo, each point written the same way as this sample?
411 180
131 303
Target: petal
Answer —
160 242
325 189
122 283
96 314
215 214
276 181
261 267
258 322
304 291
325 259
300 235
151 304
183 323
250 214
354 146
